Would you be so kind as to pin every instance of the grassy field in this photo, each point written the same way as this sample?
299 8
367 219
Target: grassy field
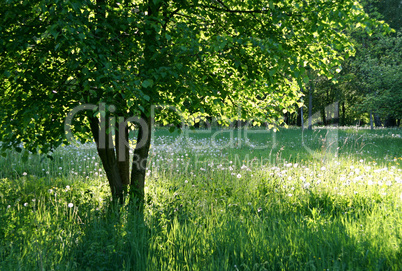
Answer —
215 200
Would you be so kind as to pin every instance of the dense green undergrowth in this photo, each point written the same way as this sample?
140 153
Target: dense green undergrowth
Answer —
222 205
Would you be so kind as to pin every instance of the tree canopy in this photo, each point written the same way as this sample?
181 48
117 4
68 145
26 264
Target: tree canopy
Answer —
202 57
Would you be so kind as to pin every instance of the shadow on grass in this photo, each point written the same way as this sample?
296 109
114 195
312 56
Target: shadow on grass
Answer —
116 239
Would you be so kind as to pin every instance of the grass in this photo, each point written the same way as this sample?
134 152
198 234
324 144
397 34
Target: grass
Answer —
262 203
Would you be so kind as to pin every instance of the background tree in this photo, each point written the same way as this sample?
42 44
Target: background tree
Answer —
203 57
368 83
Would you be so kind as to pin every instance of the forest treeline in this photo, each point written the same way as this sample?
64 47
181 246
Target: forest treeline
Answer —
368 89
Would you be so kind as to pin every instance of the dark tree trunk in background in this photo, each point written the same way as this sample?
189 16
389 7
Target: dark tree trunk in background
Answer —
343 114
324 119
299 117
371 120
377 120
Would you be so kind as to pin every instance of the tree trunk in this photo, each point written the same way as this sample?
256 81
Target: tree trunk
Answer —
377 120
140 158
343 114
310 108
371 120
149 63
105 148
123 152
301 118
324 119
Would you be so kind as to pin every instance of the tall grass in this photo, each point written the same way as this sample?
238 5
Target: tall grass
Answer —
212 205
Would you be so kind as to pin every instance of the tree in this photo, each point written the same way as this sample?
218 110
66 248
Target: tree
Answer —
381 74
121 58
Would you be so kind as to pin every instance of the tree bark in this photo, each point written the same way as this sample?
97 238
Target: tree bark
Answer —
301 118
343 114
310 108
105 148
123 152
140 158
323 115
371 120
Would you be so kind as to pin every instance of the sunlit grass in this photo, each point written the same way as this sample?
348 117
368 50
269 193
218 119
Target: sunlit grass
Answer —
283 207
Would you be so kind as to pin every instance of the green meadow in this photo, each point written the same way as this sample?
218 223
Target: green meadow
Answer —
326 199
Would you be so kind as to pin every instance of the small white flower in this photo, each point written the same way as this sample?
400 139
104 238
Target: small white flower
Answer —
289 195
25 174
26 204
306 185
70 205
60 168
239 176
67 187
323 168
185 181
259 209
9 206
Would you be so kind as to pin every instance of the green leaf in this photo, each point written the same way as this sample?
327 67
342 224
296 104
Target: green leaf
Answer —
148 83
271 5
